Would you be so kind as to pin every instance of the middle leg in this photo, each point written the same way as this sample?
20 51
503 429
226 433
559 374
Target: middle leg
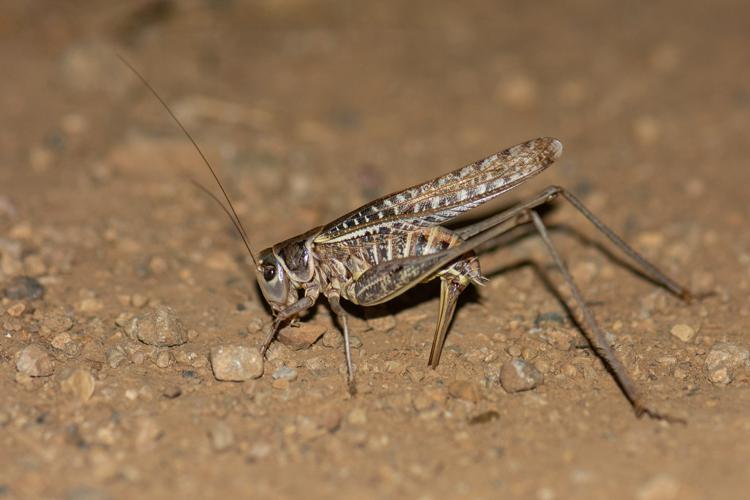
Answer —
338 310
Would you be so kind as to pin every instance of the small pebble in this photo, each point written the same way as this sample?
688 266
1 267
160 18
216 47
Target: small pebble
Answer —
357 416
355 342
79 384
332 339
7 208
220 261
285 373
147 432
667 361
559 338
584 272
647 130
93 350
301 337
123 319
423 402
12 324
679 373
159 327
724 360
393 366
116 355
661 487
34 361
157 265
518 375
683 332
278 351
61 340
569 370
137 357
138 300
379 319
518 92
56 321
549 318
415 374
484 417
88 66
255 325
308 429
16 309
236 363
315 363
222 437
259 451
172 392
465 390
164 359
24 288
281 384
97 470
90 305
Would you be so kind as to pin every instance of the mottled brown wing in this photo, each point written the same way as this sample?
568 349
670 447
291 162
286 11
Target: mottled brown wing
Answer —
444 197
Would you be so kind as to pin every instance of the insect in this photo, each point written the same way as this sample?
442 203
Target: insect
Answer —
384 248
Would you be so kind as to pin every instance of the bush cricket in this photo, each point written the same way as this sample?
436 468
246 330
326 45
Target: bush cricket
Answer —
384 248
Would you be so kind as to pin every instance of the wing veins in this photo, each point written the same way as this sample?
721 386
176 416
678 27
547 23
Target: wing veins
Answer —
465 188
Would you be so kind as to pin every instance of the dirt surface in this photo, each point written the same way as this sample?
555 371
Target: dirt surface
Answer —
309 109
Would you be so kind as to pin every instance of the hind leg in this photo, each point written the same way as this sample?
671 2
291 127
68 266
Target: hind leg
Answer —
449 292
453 281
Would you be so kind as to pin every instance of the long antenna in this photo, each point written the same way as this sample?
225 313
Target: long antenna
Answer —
233 216
218 202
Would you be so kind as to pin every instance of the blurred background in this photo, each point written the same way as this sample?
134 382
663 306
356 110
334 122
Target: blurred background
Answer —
309 109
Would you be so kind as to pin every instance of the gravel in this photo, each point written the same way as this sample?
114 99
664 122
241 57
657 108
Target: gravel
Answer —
116 355
684 332
80 384
164 359
285 373
172 392
57 320
236 363
34 361
255 325
158 327
24 288
147 433
357 416
332 339
302 336
560 338
379 319
724 360
465 390
16 309
221 435
518 375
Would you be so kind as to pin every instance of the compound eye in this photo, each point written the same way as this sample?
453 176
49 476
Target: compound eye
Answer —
269 273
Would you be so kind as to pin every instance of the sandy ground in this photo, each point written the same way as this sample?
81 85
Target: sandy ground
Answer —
309 109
